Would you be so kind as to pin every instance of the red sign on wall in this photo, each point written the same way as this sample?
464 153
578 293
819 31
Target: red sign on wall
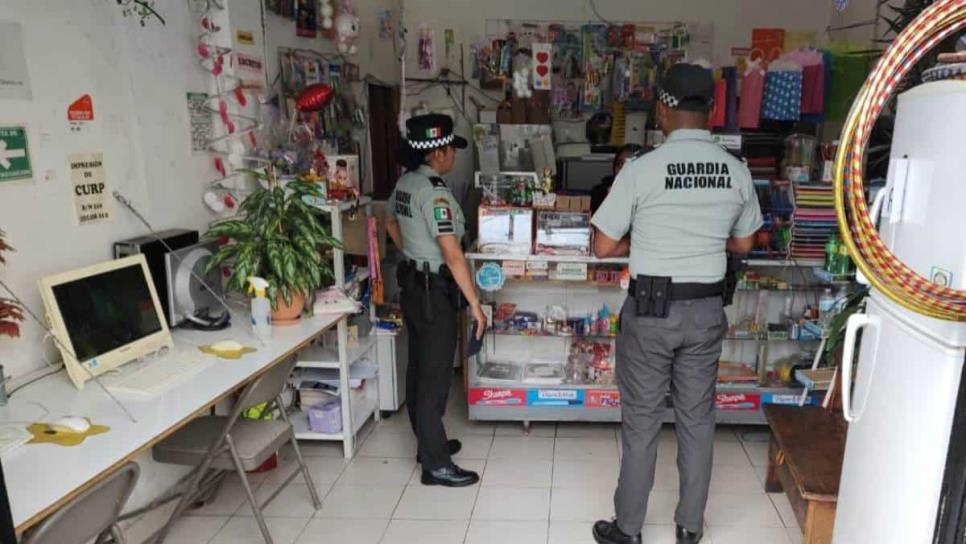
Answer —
81 109
603 399
498 397
737 401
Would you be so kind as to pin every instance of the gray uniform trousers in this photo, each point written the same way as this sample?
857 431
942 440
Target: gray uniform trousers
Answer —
681 350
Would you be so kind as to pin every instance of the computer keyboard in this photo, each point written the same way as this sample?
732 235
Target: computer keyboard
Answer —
12 437
157 377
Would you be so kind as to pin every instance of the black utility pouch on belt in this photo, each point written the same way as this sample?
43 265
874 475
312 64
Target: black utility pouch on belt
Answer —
453 288
652 295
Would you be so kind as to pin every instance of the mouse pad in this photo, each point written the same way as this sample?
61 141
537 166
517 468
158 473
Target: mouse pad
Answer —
43 434
227 354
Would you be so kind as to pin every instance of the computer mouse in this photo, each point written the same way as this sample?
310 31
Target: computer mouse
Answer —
70 424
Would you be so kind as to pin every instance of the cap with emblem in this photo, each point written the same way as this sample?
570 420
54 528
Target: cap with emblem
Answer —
687 87
432 131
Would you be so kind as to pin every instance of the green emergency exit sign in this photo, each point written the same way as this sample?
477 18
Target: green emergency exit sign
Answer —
14 155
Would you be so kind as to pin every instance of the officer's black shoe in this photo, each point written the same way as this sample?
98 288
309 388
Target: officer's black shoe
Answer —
607 532
454 447
450 477
687 537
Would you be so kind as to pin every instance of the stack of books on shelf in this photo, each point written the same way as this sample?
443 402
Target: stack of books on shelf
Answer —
813 221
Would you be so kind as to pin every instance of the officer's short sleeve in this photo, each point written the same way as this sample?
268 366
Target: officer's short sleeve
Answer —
614 216
749 219
439 210
391 204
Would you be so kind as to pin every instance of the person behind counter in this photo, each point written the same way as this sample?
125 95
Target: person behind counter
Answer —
599 192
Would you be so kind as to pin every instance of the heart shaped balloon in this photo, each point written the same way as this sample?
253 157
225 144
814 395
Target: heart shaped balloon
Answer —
314 98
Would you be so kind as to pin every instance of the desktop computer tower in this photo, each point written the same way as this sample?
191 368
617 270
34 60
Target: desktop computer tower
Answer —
154 252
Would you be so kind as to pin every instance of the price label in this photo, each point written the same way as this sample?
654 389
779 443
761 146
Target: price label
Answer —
570 272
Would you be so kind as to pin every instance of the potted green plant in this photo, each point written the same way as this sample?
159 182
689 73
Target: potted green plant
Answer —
854 303
11 314
278 237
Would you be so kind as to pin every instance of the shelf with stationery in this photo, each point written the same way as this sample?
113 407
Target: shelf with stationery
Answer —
546 359
330 363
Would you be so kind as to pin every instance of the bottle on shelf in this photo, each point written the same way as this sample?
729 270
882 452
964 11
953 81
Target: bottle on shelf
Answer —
826 308
261 308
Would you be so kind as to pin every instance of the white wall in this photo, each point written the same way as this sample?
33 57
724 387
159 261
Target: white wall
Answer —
856 12
137 78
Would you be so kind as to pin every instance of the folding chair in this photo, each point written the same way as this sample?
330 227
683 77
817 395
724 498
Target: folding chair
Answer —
91 515
218 444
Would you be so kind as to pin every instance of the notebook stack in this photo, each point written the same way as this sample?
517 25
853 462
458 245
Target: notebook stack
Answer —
813 221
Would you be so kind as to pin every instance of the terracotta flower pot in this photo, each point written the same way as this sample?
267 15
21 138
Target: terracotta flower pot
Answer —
288 314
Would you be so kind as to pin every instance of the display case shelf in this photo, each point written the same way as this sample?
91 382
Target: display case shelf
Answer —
736 404
548 335
785 263
520 399
546 258
764 338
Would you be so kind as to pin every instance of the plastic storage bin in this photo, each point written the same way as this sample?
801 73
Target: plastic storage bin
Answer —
326 417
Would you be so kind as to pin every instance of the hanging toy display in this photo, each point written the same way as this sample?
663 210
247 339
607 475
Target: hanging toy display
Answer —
327 12
426 58
347 30
521 83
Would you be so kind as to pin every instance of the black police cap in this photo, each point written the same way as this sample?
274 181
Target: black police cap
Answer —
432 131
687 87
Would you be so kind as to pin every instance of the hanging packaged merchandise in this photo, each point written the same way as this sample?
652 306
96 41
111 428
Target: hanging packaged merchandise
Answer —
426 55
813 89
306 24
730 76
782 99
542 55
720 103
752 92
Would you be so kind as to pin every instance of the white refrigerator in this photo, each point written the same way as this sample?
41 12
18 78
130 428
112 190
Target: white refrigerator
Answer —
903 475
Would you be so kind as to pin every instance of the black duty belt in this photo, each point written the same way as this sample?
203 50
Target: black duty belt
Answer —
687 291
421 273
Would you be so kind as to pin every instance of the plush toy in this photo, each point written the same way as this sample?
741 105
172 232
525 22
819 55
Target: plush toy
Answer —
521 83
347 30
327 12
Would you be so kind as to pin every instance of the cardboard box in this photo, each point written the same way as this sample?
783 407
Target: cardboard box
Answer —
504 114
355 232
518 111
573 203
538 108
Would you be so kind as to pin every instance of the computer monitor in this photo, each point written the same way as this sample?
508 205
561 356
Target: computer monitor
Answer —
581 174
104 316
8 533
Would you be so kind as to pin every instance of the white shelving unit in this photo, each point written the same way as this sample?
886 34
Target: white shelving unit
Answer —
359 404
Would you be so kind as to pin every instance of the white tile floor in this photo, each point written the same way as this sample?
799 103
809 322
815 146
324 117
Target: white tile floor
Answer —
547 488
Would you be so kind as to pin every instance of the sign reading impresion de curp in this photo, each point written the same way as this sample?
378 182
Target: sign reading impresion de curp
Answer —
92 200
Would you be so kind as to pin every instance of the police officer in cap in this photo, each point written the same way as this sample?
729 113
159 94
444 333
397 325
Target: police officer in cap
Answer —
427 224
677 211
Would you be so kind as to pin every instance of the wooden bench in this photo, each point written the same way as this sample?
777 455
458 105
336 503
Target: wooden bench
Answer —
805 460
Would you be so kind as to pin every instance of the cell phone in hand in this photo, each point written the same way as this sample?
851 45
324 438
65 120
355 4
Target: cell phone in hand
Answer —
475 345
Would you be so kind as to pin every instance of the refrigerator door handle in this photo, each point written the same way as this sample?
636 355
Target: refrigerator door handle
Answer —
874 217
855 322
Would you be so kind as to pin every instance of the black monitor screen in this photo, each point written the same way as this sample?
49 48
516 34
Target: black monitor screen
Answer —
106 311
